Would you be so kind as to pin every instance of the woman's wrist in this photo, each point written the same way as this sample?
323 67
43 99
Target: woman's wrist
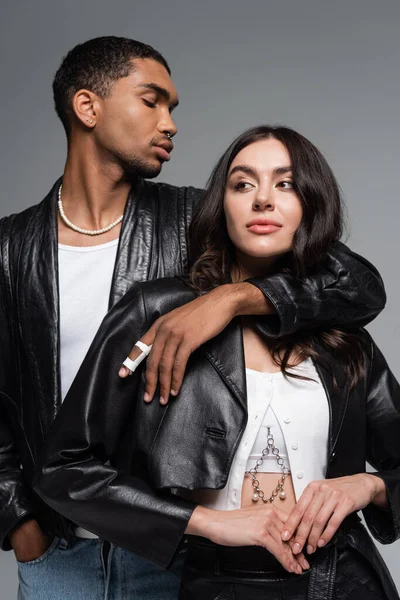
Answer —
200 522
378 490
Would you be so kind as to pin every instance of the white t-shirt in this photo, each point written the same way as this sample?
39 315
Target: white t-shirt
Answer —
85 277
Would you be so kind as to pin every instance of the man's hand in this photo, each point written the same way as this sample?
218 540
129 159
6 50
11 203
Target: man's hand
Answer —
177 334
28 541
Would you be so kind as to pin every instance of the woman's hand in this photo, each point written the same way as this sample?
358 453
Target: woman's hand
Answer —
249 526
324 505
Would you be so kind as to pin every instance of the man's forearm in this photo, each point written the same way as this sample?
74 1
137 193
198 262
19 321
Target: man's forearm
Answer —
247 299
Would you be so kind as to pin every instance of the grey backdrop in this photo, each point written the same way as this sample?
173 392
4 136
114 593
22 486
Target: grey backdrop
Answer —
330 70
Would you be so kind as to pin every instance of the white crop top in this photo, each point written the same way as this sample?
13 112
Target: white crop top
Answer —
298 413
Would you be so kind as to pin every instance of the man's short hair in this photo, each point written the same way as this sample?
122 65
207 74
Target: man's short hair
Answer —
96 65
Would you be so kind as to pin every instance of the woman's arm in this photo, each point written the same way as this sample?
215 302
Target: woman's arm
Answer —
383 447
325 504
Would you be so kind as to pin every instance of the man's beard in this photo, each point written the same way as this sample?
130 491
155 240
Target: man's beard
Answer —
134 167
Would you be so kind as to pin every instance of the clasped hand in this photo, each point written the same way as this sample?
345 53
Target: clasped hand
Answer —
324 505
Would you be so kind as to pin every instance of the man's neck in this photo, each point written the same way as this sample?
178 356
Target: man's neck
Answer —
93 194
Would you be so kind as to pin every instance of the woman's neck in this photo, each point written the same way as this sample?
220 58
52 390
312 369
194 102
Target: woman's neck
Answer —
250 266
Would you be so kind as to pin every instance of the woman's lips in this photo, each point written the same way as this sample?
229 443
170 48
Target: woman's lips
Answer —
260 229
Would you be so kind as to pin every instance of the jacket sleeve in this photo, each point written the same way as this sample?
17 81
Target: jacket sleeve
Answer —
347 290
14 503
76 475
383 446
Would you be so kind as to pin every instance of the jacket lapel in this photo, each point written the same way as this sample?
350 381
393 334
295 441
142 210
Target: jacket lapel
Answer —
38 290
330 371
226 354
134 253
37 294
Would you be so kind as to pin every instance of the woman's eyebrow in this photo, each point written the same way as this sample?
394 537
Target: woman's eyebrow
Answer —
245 169
250 171
282 170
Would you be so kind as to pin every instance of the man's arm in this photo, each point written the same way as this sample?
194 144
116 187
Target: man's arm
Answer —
15 508
346 291
18 528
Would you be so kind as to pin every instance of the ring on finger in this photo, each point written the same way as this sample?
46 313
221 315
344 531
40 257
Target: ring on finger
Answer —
132 365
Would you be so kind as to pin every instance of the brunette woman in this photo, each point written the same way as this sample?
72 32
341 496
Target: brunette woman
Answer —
260 459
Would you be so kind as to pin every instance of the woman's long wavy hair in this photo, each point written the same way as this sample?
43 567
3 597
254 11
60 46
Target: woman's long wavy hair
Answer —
213 256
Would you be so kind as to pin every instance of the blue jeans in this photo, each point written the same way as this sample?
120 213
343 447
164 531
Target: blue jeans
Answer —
90 569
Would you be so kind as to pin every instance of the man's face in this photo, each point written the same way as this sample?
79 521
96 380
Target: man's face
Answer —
132 124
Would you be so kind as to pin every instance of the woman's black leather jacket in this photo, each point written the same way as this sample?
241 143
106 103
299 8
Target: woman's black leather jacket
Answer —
153 243
112 460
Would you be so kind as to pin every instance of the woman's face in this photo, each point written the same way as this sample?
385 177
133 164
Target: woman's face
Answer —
261 207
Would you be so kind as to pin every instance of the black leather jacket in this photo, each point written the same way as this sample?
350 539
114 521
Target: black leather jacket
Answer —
153 243
112 460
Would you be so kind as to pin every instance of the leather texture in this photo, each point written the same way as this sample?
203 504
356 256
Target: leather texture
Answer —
337 572
153 243
112 459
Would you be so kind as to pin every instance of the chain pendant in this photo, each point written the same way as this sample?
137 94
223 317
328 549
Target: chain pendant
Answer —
258 493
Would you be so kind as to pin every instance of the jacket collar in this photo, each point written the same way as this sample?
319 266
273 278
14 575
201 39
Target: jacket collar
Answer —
38 290
226 354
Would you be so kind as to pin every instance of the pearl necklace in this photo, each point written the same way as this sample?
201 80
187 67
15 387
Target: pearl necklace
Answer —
79 229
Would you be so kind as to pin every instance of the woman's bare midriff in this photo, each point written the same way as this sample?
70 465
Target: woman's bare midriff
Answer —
268 483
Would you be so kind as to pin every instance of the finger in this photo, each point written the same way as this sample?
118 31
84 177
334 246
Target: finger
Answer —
320 523
179 368
333 525
301 559
306 523
282 551
147 339
152 367
297 514
133 355
303 562
166 366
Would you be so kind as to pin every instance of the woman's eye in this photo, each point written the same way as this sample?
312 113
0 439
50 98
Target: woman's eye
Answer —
287 185
242 185
148 103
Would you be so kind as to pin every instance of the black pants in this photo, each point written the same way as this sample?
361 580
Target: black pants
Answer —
214 572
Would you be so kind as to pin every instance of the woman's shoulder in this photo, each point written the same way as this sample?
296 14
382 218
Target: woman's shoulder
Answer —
159 296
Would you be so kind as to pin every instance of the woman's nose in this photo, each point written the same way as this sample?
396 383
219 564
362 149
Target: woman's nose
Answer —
264 201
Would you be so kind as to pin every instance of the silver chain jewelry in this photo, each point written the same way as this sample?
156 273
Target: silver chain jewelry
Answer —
258 493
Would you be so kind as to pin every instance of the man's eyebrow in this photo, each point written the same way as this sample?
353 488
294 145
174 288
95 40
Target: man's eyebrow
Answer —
163 92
